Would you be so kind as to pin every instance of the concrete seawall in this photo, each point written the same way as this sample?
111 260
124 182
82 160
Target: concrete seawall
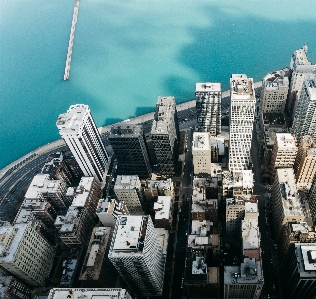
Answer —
135 120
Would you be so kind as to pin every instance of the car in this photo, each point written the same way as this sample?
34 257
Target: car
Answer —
273 287
271 261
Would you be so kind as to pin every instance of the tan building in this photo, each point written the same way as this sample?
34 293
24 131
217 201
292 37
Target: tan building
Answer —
305 163
25 254
286 206
235 212
155 188
97 270
283 153
201 152
275 88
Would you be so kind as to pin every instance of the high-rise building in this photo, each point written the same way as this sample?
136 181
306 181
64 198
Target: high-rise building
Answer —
165 135
305 163
299 274
25 253
208 107
80 133
97 270
242 108
275 88
130 149
235 213
128 189
89 293
137 255
285 201
283 153
305 115
201 153
301 68
13 288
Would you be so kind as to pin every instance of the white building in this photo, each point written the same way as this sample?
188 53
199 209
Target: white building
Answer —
89 293
162 208
137 255
242 108
237 183
305 116
80 133
275 88
128 189
25 253
301 69
208 107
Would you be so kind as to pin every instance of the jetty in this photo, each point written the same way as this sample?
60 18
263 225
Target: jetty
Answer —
71 40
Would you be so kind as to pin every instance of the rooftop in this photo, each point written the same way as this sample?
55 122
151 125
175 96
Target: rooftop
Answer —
285 140
208 87
276 80
241 87
68 221
201 141
70 122
162 207
306 260
127 130
83 192
129 182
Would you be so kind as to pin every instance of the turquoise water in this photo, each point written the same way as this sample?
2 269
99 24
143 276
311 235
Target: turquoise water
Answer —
127 53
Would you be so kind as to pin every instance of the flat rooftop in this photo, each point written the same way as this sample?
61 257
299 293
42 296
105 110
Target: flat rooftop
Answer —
306 259
201 141
70 122
241 87
68 221
285 140
162 207
208 87
127 182
163 184
82 192
125 130
250 234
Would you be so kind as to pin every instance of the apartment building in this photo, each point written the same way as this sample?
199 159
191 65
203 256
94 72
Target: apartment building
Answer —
80 133
286 206
305 163
201 153
25 253
242 108
275 88
130 149
97 271
165 136
283 153
13 288
128 188
305 115
137 255
208 107
235 212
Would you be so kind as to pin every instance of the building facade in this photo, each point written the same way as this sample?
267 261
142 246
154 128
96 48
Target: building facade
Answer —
242 108
130 149
208 107
137 255
80 133
201 153
165 136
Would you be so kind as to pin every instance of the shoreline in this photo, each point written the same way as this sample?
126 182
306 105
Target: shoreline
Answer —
105 129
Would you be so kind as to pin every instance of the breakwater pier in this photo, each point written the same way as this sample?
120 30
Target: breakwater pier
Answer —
71 40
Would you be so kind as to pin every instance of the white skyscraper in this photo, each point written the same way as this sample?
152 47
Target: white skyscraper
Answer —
242 108
305 115
208 107
137 255
81 135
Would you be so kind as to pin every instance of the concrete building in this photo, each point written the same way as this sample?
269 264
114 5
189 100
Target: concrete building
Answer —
301 68
130 149
88 293
205 200
137 255
275 88
312 199
235 213
80 133
97 271
305 115
208 107
237 183
109 209
201 153
155 188
165 135
242 108
283 153
25 254
52 191
13 288
299 274
163 212
128 188
285 201
305 163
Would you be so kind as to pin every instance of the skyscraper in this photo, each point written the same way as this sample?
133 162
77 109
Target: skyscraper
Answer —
242 108
208 107
137 255
80 133
305 116
130 149
165 135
